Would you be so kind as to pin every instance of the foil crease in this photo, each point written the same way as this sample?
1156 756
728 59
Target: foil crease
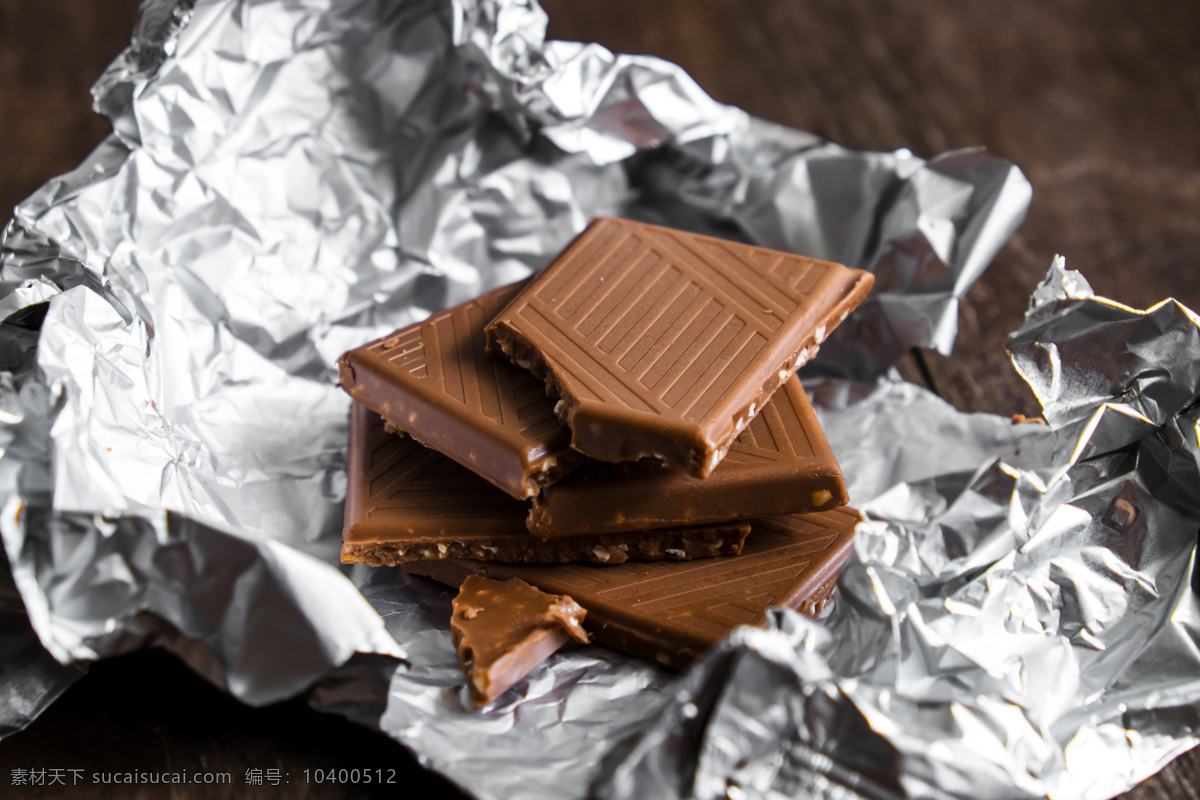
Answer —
288 180
1018 619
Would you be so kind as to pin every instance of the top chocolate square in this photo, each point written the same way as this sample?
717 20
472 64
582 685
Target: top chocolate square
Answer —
665 344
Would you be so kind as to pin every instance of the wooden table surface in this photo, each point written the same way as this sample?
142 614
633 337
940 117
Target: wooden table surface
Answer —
1097 100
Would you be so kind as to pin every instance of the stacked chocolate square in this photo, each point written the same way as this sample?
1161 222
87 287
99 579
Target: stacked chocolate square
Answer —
625 427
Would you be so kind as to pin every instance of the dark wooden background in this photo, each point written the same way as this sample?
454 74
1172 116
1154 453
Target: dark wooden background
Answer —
1097 100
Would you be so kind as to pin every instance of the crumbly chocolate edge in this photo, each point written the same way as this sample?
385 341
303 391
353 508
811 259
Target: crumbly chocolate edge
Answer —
516 347
701 455
610 549
516 482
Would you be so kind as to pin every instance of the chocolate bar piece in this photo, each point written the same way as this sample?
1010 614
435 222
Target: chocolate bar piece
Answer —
672 612
503 629
780 464
405 501
665 344
434 381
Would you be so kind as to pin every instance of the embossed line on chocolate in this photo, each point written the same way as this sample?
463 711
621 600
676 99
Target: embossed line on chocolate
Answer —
781 463
665 344
406 502
435 381
672 612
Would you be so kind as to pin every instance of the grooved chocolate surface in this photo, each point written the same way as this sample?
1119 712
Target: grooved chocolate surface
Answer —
665 343
672 612
405 501
781 463
435 382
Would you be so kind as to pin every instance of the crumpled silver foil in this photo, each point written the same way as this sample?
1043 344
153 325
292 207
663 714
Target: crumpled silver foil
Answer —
1018 619
287 180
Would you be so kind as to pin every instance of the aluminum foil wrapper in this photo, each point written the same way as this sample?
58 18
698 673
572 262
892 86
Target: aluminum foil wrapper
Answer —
1019 617
287 180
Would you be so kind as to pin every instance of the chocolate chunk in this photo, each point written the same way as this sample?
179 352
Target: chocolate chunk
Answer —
503 629
405 502
672 612
666 344
434 381
780 464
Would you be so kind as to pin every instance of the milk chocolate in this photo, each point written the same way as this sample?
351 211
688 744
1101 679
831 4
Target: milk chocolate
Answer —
503 629
405 501
665 344
434 381
780 463
672 612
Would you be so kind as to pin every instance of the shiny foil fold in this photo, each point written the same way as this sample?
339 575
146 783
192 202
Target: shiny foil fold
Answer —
1018 619
288 180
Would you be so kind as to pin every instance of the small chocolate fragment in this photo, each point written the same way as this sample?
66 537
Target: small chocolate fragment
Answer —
780 464
665 344
672 612
434 381
503 629
406 502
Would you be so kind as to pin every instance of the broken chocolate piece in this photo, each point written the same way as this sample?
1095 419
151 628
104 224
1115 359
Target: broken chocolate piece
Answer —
665 344
672 612
503 629
780 464
406 502
434 381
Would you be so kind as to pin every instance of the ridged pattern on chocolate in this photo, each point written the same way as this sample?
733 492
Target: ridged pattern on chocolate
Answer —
778 434
406 501
434 381
706 599
664 343
673 611
404 478
396 484
779 464
670 318
448 350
